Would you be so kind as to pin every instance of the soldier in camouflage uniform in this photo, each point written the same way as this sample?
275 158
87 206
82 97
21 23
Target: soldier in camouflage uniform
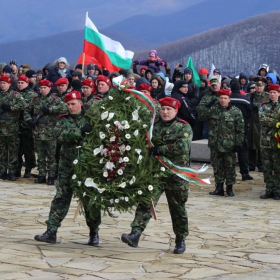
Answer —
11 103
88 96
26 140
44 109
70 130
226 137
269 114
174 140
62 85
102 84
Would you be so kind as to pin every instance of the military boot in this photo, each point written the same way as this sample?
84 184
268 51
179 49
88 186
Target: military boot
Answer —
131 239
93 238
40 180
219 190
18 173
246 177
49 236
12 176
27 173
267 194
3 175
229 190
180 246
276 195
50 181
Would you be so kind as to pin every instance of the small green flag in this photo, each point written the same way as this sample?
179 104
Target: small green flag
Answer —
195 77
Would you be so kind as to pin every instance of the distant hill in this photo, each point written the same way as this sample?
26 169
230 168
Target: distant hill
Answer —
161 29
242 46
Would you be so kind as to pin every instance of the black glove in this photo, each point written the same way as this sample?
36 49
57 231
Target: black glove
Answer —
135 62
211 103
45 110
86 128
31 124
153 150
237 149
6 107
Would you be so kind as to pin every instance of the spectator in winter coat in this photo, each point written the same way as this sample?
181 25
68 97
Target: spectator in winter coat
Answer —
149 74
263 70
243 81
157 88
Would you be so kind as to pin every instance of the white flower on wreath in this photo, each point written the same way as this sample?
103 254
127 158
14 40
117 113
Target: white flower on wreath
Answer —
128 148
139 159
145 126
140 192
105 174
117 200
111 115
150 188
126 159
110 165
136 132
111 201
79 183
110 97
122 148
135 115
107 125
162 169
126 126
101 161
104 152
75 161
124 122
127 98
120 172
122 185
127 136
121 198
84 194
133 179
113 138
78 147
74 176
126 199
120 160
102 135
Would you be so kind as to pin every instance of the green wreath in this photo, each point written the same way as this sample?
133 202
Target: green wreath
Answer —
114 170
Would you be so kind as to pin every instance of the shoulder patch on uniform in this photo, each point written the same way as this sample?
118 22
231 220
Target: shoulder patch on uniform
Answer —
182 121
63 116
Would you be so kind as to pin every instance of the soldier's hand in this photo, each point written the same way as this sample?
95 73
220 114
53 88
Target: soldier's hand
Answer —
45 110
153 150
31 124
6 107
85 129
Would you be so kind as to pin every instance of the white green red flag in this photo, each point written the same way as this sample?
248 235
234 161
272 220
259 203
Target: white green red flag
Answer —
109 53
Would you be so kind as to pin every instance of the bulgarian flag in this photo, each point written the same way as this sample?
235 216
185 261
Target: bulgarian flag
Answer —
109 53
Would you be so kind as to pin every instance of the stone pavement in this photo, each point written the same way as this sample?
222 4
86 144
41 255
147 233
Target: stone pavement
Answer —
230 238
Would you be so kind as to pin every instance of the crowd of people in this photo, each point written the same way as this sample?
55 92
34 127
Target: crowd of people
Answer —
44 112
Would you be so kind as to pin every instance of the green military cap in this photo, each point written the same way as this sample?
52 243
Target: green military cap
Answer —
260 81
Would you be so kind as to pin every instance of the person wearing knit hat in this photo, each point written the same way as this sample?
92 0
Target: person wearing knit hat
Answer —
2 65
90 69
79 67
70 130
26 139
142 70
172 139
270 143
226 137
41 115
11 103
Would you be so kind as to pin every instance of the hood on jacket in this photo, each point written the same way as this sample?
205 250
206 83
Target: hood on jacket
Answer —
273 77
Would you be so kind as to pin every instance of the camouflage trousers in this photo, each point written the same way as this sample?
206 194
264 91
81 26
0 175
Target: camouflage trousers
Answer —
176 202
26 148
271 169
223 167
46 157
61 203
9 153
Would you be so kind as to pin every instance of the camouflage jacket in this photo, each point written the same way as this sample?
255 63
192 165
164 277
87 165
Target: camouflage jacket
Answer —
45 125
173 139
269 115
9 120
28 95
88 101
226 127
201 109
68 133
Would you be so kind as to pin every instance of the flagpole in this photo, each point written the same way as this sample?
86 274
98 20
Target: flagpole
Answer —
84 54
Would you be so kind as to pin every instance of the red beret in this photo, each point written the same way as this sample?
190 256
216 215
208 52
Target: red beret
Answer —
273 87
224 92
143 68
171 102
73 95
23 78
62 81
45 83
101 78
6 79
87 82
144 87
